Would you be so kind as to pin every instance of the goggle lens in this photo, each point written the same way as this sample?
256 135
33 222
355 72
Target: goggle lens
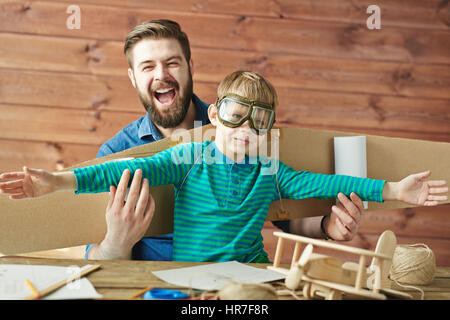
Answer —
234 113
261 118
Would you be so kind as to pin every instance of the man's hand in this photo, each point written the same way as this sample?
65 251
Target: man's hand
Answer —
126 222
345 218
341 224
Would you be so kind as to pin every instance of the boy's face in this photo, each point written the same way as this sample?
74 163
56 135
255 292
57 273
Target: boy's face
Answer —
236 142
163 80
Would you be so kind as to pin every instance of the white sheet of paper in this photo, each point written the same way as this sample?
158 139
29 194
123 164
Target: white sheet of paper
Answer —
214 276
13 286
350 157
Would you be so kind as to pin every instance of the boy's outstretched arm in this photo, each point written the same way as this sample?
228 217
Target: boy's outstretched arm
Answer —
34 183
415 189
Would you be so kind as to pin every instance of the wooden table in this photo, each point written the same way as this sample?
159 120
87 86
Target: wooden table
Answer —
120 279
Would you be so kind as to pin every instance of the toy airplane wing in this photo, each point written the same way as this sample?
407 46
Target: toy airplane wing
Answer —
63 219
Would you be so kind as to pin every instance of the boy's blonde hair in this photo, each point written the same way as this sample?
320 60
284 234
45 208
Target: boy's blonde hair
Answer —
249 85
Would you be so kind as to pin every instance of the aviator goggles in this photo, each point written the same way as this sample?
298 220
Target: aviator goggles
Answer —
234 110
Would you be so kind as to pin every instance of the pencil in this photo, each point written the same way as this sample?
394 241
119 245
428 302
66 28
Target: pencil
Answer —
62 283
32 288
137 294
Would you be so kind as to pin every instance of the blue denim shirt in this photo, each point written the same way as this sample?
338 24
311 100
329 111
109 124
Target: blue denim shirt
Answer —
139 132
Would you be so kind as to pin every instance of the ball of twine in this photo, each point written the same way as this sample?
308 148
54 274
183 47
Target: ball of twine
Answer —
236 290
413 264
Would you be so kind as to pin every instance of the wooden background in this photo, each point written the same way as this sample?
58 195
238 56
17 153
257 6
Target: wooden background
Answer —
64 92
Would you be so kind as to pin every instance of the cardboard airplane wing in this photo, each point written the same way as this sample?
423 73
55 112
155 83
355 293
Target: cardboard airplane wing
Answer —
64 219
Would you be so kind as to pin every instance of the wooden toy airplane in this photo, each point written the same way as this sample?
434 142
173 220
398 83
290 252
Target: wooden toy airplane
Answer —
328 277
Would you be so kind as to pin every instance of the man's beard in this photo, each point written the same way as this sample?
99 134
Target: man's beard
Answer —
177 112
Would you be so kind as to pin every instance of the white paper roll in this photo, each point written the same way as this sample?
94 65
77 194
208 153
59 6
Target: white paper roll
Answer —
350 157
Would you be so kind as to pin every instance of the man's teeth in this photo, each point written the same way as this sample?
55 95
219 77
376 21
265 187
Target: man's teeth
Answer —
164 90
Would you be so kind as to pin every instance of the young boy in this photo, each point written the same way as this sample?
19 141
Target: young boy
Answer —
222 191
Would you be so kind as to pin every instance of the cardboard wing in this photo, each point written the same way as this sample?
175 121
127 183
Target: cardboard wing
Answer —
64 219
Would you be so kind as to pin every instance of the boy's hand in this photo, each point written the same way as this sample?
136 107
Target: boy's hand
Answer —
414 189
31 183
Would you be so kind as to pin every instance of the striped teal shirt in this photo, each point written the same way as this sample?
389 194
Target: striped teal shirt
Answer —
220 205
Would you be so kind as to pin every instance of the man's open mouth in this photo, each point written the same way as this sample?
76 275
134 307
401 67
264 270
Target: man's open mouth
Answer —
165 96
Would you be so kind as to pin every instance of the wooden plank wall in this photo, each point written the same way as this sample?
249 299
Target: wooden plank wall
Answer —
64 92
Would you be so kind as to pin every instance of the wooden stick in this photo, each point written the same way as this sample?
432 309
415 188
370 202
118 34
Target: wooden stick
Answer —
276 260
137 294
330 245
296 254
378 273
32 288
361 271
62 283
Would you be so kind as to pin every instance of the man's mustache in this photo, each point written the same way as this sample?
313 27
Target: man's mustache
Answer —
164 84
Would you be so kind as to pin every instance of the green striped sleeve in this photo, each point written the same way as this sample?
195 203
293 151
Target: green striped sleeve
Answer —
166 167
304 184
